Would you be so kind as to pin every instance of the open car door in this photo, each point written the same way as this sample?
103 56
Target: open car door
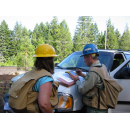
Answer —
122 75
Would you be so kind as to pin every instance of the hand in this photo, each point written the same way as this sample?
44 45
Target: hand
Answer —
75 78
79 72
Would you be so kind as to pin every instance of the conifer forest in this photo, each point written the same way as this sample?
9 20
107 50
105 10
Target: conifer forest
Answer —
18 45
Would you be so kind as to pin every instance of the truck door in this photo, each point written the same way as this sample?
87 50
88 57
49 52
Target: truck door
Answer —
122 75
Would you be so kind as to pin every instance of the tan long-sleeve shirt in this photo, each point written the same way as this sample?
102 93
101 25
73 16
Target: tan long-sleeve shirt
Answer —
91 80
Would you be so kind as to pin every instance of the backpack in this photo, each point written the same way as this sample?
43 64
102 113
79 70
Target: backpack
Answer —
26 100
111 85
22 98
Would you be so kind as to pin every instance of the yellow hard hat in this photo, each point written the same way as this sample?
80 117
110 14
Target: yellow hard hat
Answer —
45 50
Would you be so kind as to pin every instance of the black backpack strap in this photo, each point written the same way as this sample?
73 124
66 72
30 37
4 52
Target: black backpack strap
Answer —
98 65
98 99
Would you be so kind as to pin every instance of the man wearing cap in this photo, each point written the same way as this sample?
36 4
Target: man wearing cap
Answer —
92 83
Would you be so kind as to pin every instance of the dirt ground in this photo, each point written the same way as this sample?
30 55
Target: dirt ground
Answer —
1 106
1 102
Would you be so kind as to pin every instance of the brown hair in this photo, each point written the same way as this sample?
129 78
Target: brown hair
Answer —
46 63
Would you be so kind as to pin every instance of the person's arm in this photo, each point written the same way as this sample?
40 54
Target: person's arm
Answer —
90 81
79 72
44 97
75 78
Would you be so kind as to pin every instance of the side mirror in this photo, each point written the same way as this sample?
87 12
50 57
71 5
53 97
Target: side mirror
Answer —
56 64
126 72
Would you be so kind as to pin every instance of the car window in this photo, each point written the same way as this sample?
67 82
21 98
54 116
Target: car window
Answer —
124 72
117 60
74 60
106 58
70 61
127 56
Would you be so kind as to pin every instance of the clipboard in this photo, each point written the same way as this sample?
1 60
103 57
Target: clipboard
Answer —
65 80
71 72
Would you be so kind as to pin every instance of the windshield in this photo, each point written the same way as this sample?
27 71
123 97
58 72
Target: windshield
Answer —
74 61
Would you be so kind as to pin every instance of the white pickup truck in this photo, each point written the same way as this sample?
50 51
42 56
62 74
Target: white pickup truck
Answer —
118 66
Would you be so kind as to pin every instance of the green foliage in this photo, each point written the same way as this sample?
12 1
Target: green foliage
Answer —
18 46
16 39
118 36
94 33
101 41
86 32
77 43
64 46
20 60
54 31
35 35
40 35
111 37
49 37
125 40
4 40
26 50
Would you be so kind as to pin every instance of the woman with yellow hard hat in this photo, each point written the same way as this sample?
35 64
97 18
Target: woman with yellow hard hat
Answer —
37 85
44 60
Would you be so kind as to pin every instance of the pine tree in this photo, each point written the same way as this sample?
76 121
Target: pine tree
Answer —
2 43
64 46
49 37
86 32
4 40
77 42
23 48
37 36
42 33
94 33
101 41
27 50
111 37
17 37
54 31
118 36
125 39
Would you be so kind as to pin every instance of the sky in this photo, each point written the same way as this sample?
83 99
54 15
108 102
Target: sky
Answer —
30 12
